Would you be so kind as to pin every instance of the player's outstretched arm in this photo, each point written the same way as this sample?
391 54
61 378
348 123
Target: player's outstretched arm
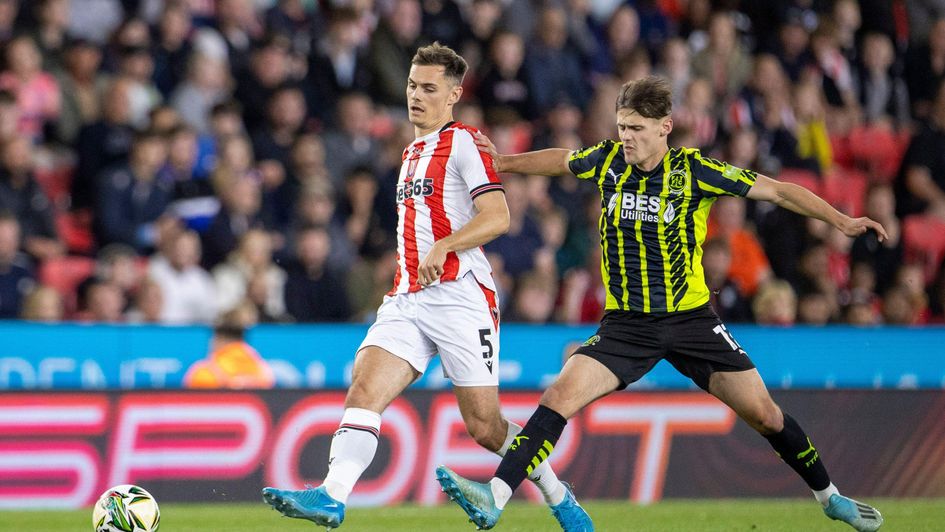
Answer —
553 161
802 201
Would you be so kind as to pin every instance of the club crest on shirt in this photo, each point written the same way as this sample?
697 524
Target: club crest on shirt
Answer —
677 182
413 162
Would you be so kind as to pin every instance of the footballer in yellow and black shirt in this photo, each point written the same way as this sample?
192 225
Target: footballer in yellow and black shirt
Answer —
653 223
654 204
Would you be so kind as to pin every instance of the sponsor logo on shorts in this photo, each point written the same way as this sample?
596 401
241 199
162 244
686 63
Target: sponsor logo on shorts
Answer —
592 340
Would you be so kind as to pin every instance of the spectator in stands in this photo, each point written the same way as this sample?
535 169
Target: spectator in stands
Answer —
239 25
899 308
103 143
307 163
206 85
925 70
368 283
251 260
338 64
815 308
148 304
813 144
920 185
392 47
105 303
675 66
269 69
504 83
793 45
836 76
118 265
883 94
172 47
752 267
42 303
317 206
16 276
9 9
533 300
697 115
131 198
356 208
552 68
285 116
523 239
37 92
882 257
188 290
314 291
724 61
82 88
483 18
726 296
52 18
775 304
351 143
136 64
911 278
862 313
241 199
622 37
21 195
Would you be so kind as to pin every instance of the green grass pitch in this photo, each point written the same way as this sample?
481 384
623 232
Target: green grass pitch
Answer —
904 515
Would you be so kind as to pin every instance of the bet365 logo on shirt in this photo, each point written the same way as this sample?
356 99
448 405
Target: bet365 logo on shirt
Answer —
415 187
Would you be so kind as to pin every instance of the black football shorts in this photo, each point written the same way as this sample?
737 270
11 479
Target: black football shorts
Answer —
694 341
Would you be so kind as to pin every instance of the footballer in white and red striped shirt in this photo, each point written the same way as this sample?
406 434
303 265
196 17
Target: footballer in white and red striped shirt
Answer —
442 174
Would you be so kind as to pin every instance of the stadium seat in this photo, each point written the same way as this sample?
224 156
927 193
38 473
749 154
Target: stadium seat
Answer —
878 150
923 239
64 274
805 178
75 229
845 189
55 182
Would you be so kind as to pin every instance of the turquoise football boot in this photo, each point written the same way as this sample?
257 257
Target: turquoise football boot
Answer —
861 516
473 497
570 515
312 504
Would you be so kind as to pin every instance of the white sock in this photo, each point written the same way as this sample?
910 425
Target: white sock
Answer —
352 451
823 496
501 492
543 476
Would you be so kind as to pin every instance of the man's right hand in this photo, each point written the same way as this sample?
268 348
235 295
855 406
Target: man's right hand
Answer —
485 145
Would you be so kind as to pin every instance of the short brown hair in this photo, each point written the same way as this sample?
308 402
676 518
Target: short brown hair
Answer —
651 97
454 66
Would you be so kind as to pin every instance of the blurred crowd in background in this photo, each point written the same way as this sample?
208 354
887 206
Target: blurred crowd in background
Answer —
197 161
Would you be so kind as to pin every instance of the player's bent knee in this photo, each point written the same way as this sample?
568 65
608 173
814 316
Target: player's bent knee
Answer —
487 434
766 418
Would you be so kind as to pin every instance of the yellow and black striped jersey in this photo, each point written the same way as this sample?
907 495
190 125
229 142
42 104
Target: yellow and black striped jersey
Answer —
652 224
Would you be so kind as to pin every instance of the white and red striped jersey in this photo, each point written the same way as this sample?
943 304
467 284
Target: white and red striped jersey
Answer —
440 176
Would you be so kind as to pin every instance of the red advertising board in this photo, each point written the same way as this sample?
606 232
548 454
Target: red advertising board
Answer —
63 449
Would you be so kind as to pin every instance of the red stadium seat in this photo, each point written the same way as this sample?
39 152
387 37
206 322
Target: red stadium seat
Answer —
805 178
923 239
845 189
64 275
878 150
75 229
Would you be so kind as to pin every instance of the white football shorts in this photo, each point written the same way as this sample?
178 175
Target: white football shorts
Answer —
457 319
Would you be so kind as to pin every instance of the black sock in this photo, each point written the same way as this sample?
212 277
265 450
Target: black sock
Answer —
531 447
797 451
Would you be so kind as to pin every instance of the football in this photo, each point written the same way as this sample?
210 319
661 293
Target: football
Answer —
126 508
